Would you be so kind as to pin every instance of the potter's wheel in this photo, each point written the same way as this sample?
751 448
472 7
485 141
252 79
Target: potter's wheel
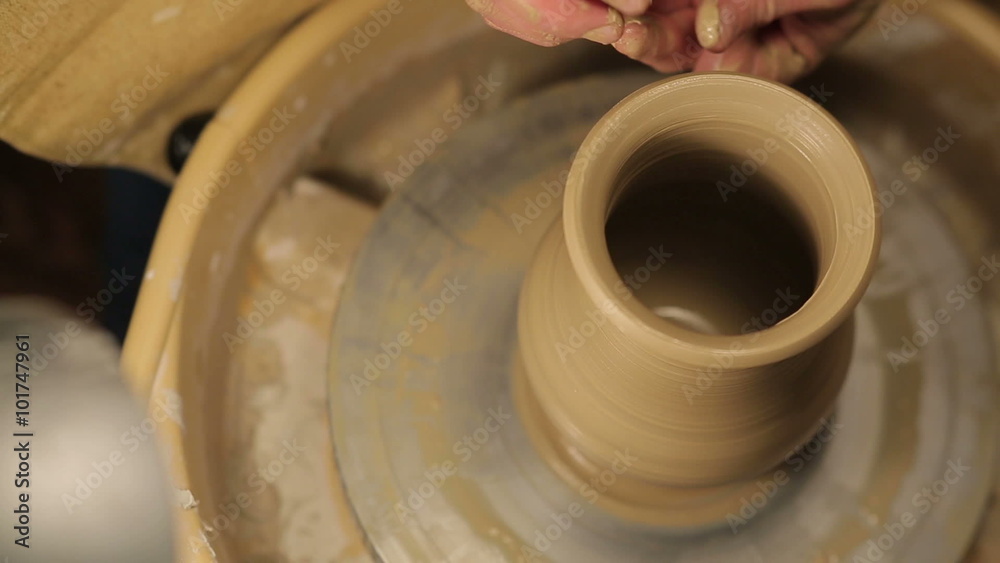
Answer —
940 69
423 345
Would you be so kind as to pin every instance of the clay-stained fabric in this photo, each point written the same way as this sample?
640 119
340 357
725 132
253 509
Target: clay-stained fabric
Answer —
98 82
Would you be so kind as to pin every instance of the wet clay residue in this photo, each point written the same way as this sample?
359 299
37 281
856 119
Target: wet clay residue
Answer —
295 509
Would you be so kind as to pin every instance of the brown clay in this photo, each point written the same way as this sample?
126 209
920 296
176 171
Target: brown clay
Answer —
693 305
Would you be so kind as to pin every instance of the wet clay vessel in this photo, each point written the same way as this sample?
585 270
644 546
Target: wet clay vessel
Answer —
687 323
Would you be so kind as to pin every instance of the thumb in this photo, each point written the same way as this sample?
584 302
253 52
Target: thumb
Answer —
720 23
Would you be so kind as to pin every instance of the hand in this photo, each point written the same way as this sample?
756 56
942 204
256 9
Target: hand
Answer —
776 39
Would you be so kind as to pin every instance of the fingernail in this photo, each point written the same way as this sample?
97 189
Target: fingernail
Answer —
604 35
633 40
609 32
707 24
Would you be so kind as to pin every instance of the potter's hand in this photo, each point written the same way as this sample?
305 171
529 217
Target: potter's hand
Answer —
776 39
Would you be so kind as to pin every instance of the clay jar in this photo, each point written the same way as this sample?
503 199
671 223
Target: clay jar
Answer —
688 321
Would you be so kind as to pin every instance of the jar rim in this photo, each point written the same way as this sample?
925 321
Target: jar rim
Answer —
589 194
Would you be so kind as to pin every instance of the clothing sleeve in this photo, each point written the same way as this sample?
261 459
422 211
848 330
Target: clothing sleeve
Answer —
105 81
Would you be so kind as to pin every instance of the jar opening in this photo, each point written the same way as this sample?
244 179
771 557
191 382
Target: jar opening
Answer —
708 238
733 136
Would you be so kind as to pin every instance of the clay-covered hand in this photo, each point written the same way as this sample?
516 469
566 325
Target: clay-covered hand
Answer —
776 39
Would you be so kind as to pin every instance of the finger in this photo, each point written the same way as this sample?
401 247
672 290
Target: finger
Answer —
665 42
722 22
816 33
768 54
668 6
551 22
630 7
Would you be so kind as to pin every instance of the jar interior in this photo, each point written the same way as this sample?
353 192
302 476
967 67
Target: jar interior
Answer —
708 238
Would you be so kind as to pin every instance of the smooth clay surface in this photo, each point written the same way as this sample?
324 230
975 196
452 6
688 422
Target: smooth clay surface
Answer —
693 306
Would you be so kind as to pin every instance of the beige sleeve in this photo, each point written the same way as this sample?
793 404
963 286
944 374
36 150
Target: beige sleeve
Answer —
105 82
